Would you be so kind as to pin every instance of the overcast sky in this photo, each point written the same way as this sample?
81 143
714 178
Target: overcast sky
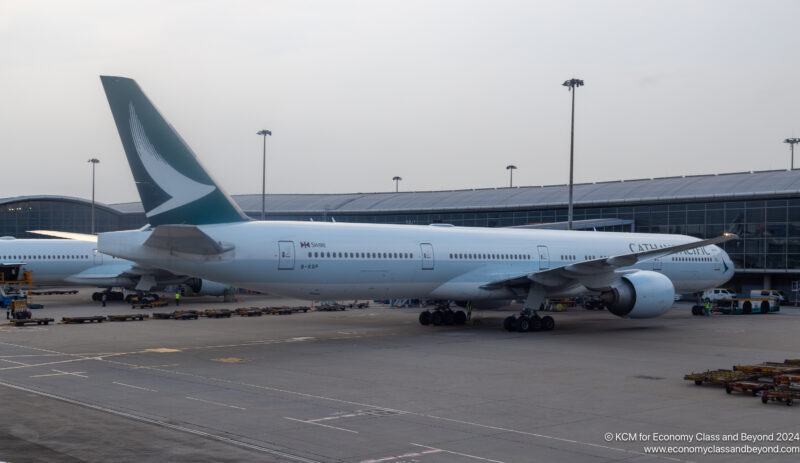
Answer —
444 94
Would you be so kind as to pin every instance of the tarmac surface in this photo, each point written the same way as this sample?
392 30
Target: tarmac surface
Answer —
372 385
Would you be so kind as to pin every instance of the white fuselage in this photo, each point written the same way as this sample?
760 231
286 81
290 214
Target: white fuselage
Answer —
347 261
56 262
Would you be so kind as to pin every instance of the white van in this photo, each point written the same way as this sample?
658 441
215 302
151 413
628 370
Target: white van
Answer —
768 294
718 294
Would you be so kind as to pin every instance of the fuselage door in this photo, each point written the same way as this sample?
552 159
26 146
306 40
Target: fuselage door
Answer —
285 255
427 256
98 257
544 258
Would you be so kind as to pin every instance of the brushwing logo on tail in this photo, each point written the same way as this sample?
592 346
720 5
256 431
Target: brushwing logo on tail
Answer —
181 189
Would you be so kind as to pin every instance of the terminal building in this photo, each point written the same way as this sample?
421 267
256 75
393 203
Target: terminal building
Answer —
763 208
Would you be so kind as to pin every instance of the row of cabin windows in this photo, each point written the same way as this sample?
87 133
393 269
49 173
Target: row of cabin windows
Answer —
692 259
461 256
48 257
361 255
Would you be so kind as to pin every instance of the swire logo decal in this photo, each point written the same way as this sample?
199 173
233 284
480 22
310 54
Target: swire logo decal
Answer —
307 244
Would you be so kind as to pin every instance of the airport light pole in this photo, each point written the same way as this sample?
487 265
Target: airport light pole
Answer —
397 183
94 162
264 133
510 168
572 86
792 142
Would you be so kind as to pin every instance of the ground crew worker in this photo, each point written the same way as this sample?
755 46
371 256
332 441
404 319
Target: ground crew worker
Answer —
177 298
103 299
708 309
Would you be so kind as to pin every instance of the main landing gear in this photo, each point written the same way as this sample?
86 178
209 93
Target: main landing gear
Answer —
442 315
525 322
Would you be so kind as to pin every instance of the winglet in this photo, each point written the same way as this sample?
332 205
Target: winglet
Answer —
173 185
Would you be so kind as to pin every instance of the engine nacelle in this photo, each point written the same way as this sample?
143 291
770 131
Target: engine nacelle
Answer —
642 294
207 288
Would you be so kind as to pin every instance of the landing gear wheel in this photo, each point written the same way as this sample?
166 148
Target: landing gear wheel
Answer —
523 324
425 318
509 323
437 319
459 318
548 323
449 317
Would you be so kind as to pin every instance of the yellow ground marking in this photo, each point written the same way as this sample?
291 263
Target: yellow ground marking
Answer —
231 360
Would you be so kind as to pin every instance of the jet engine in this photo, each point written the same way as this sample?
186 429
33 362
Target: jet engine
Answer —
642 294
207 288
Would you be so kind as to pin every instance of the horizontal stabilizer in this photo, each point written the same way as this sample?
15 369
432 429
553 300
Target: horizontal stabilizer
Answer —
100 272
186 239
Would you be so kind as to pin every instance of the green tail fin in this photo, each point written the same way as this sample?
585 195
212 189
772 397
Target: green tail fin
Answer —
173 185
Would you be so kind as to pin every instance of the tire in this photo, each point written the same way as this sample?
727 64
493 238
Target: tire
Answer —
764 306
728 389
747 307
509 322
697 382
695 311
449 317
536 324
548 324
128 298
437 318
96 297
459 318
425 318
764 399
523 324
789 402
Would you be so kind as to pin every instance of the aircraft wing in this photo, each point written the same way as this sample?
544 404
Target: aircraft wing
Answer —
598 273
101 272
66 235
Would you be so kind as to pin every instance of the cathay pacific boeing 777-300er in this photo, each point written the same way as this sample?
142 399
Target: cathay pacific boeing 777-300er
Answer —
196 229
